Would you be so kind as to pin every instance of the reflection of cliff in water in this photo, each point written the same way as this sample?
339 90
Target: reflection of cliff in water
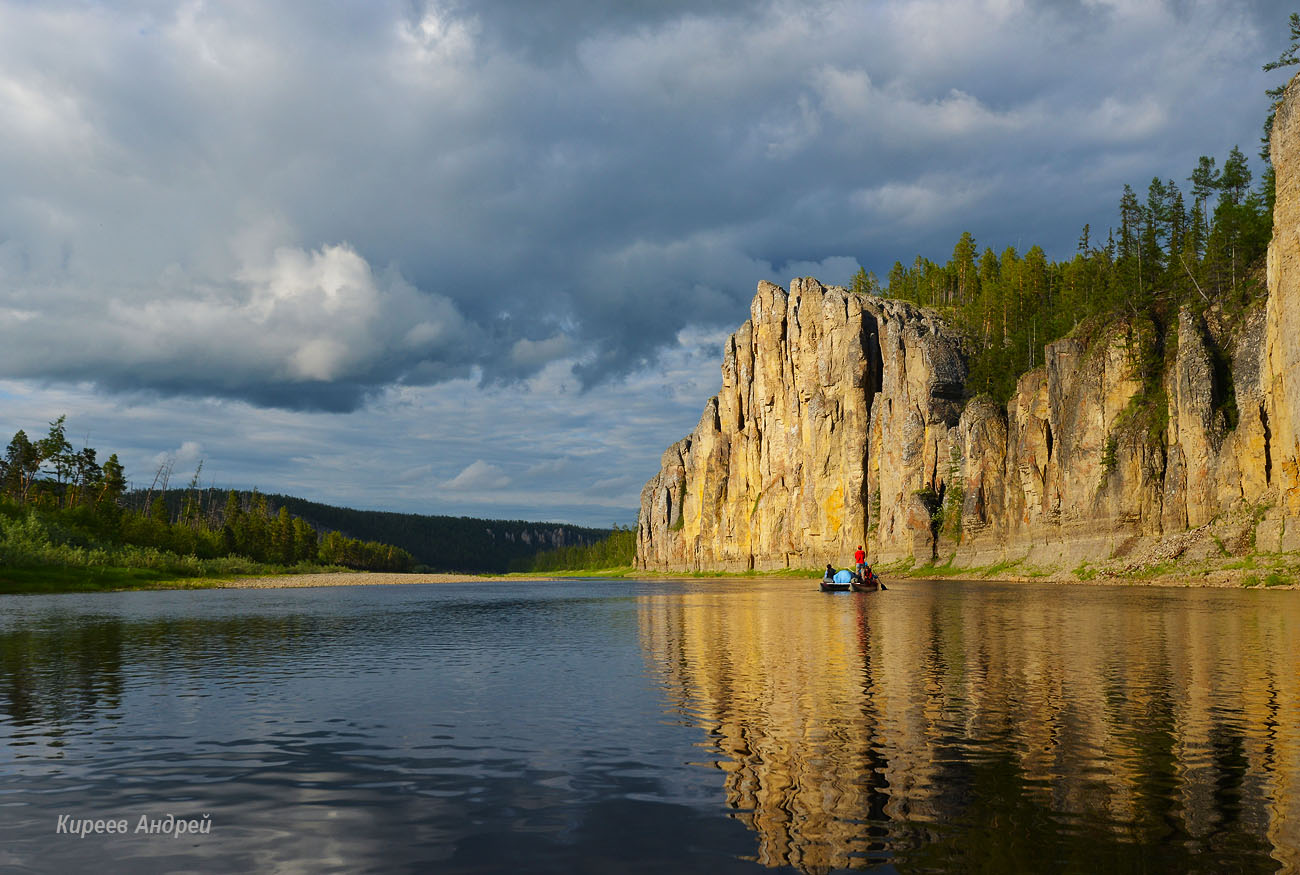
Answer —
996 727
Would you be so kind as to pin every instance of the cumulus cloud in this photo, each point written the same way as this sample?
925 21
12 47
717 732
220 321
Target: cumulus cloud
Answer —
403 450
187 453
300 329
478 475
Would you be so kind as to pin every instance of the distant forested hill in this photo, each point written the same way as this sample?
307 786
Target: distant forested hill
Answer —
443 543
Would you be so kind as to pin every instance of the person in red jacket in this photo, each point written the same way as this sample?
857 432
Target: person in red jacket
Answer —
860 558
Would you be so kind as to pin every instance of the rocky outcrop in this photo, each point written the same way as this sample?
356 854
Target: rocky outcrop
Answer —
844 419
788 459
1090 471
798 460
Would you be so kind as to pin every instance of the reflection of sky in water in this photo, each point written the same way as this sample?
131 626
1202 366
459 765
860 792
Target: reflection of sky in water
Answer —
347 728
678 726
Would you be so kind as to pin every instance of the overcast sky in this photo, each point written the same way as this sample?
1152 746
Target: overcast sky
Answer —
478 257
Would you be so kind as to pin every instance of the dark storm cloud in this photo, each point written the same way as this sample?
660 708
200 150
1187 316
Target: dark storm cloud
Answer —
301 204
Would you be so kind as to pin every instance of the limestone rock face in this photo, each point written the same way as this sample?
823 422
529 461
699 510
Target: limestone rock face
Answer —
982 443
1282 344
844 419
1075 484
782 472
917 400
788 458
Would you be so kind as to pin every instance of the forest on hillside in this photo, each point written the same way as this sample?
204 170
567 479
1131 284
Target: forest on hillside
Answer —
616 550
441 543
59 506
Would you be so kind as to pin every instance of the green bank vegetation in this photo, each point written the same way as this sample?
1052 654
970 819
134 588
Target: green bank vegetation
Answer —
66 522
439 542
613 555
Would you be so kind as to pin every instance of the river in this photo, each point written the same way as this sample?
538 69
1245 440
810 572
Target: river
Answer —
664 726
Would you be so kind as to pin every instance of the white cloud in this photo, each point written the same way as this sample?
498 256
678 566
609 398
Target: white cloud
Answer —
893 116
922 202
478 475
1119 119
437 40
298 319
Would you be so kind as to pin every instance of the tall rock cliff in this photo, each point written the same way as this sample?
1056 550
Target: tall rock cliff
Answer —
790 458
844 419
1282 348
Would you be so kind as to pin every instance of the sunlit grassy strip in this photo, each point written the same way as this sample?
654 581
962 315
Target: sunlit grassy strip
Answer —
46 553
1270 570
629 571
66 578
613 572
30 562
1263 570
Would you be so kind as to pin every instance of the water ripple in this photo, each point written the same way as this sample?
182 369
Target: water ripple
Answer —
693 726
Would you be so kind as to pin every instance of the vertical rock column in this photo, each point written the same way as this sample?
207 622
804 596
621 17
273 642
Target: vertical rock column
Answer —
773 476
1283 320
919 400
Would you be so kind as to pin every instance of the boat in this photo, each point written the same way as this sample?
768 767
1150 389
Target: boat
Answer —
842 582
873 586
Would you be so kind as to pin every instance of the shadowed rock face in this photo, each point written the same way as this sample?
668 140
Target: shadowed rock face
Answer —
844 419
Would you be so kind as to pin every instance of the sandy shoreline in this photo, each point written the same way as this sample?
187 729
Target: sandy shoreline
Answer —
293 581
343 578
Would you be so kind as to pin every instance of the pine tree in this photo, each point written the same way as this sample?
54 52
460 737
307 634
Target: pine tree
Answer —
967 275
865 283
304 539
1289 58
113 483
22 465
56 452
282 538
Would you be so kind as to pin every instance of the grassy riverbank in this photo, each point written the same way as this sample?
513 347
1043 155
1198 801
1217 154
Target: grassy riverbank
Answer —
55 579
1262 570
50 579
1257 570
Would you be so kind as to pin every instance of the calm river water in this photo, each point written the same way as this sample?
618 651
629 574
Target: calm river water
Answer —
610 726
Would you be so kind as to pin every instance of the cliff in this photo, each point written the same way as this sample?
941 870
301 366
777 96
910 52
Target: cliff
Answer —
788 461
1281 368
845 419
